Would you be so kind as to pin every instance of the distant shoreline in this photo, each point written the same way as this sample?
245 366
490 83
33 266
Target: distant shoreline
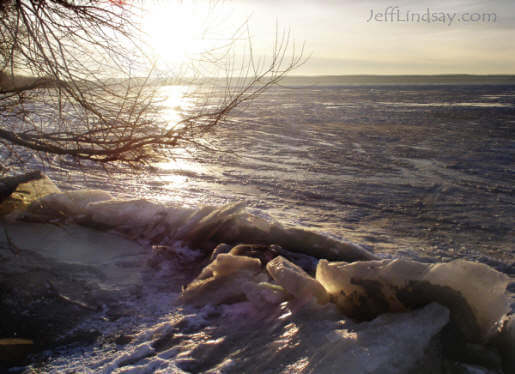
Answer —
385 80
9 83
441 79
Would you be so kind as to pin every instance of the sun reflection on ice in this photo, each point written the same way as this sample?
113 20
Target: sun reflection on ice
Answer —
176 173
176 104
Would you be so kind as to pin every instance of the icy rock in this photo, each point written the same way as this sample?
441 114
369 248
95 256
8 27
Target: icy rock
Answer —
227 264
474 293
214 290
263 294
266 253
295 280
263 252
221 281
219 249
26 193
65 204
306 262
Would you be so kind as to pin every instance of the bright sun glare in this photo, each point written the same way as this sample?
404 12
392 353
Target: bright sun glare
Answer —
177 30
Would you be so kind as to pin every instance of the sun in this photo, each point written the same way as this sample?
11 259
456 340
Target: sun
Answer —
177 30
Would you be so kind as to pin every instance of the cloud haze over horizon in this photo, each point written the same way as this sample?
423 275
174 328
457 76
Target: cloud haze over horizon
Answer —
390 37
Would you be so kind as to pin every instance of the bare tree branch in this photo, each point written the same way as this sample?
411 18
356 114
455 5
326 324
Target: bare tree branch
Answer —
80 99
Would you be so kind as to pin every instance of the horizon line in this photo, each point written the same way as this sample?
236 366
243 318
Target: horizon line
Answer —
408 75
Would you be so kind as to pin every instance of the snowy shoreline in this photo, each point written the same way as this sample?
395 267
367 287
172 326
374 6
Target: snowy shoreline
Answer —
115 251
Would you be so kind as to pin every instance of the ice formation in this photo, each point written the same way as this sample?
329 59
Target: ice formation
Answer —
25 194
262 289
295 280
228 264
235 277
223 280
203 228
474 293
263 294
65 204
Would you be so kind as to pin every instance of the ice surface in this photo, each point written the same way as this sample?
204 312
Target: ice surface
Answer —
114 257
230 339
72 243
474 293
295 280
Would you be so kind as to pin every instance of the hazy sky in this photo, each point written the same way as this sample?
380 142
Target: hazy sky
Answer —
368 37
